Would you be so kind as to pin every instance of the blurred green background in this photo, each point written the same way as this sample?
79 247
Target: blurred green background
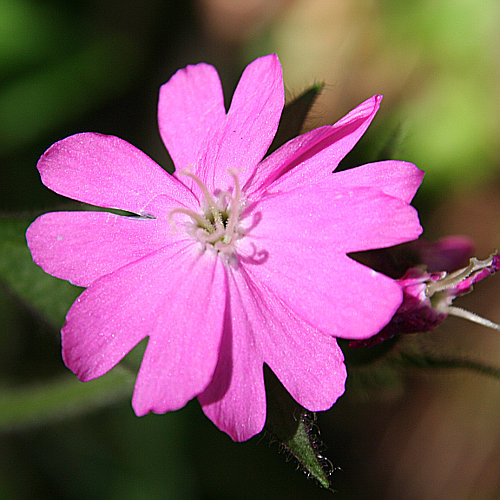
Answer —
89 65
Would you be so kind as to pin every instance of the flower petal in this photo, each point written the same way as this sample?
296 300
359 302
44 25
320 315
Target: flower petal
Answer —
235 400
307 362
399 179
83 246
190 107
252 120
345 219
328 290
108 172
171 296
184 345
310 157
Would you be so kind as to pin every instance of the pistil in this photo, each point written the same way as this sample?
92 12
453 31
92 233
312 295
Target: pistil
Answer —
217 224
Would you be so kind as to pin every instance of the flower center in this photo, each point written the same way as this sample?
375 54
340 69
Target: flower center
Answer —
217 225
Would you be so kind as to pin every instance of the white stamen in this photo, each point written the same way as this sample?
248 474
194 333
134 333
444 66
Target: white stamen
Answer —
218 223
441 294
235 210
208 197
202 221
475 318
453 279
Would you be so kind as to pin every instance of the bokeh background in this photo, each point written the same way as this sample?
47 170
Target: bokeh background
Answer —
89 65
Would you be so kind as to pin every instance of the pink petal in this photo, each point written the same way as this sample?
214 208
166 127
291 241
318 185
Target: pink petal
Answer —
235 400
184 344
326 289
310 157
83 246
308 363
260 326
190 107
176 297
345 220
399 179
253 118
106 171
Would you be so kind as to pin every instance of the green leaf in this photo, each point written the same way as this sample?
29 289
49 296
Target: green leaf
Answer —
48 296
294 427
29 406
294 116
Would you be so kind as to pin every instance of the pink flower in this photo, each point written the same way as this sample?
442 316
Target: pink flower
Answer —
233 261
428 296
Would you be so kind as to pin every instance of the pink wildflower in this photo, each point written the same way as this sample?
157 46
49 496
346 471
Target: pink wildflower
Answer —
233 261
428 297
